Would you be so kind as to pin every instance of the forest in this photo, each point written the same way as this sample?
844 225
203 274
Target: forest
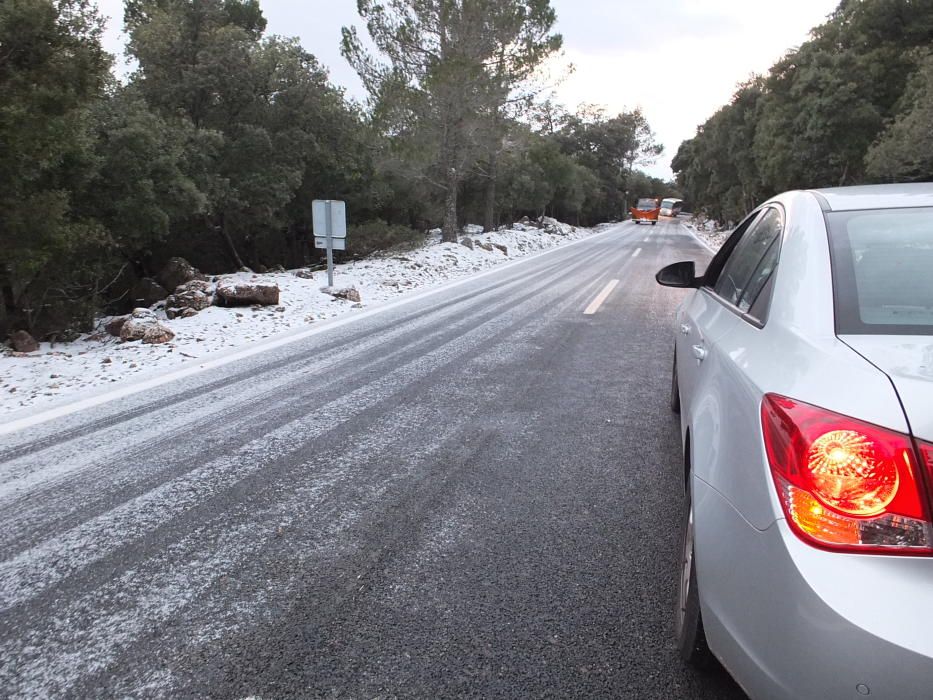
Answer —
852 105
215 146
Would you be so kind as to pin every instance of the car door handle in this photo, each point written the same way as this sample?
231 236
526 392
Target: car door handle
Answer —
699 352
685 329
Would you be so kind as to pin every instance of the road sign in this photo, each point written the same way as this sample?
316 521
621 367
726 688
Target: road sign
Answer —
336 223
336 243
329 217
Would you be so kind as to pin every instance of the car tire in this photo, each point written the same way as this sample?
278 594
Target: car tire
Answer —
675 387
688 622
654 223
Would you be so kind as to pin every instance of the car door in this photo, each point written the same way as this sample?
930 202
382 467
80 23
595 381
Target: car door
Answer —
701 319
725 415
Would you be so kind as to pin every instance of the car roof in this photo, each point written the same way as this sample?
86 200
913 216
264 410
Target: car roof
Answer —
901 196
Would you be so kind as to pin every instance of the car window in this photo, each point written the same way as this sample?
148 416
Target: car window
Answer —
746 270
882 263
719 260
755 288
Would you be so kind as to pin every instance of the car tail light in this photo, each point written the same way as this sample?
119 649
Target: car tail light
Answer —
845 484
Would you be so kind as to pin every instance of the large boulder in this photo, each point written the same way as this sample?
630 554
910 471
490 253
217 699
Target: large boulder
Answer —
21 341
147 292
233 293
145 326
176 272
189 298
115 325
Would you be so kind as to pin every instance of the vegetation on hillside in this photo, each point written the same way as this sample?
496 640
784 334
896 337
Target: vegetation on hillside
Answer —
852 105
214 148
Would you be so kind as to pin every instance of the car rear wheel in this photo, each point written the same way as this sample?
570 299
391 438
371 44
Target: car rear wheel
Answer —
675 387
691 640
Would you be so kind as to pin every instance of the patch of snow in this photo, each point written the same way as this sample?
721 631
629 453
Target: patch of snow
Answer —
710 232
60 372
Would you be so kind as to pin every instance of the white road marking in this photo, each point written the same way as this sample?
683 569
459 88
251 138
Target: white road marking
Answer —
645 239
636 253
601 297
286 338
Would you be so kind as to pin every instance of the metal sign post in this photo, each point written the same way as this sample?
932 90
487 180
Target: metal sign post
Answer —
329 217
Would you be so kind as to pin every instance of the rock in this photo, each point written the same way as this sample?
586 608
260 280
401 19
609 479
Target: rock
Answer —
176 272
485 245
499 246
147 292
106 361
468 242
277 268
189 298
21 341
350 294
304 274
114 325
231 293
145 326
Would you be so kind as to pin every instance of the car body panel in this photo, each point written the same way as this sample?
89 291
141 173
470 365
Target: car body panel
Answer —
908 361
792 621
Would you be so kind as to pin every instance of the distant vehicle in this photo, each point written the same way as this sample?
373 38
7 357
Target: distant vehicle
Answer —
671 206
803 376
646 210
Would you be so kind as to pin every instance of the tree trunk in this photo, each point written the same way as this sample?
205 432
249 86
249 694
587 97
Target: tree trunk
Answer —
222 230
449 232
489 216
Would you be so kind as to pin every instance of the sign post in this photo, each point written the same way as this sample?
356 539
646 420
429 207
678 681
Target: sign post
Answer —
329 217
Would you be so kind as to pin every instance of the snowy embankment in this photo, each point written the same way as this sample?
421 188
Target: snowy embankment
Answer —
65 372
708 231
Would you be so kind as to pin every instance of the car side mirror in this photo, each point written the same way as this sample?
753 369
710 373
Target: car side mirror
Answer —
682 274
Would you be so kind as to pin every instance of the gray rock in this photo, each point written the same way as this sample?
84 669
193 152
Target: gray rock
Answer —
304 274
230 293
145 326
349 293
176 272
189 298
468 242
114 325
501 247
147 292
21 341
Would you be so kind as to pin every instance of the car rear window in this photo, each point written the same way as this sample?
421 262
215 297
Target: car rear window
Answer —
883 271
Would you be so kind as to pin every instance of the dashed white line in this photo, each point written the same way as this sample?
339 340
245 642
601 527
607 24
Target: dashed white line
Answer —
636 253
600 298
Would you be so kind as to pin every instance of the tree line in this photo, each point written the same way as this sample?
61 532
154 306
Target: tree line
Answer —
852 105
215 146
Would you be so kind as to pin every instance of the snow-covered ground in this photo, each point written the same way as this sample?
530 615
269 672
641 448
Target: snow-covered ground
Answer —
708 231
64 371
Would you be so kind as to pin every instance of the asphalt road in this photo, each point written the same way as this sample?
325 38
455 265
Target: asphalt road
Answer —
473 494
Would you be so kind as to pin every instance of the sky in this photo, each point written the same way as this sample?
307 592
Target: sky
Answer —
677 60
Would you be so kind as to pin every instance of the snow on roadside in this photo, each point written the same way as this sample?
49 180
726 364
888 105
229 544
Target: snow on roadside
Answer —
63 371
708 231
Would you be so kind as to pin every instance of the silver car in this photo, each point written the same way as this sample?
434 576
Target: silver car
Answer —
803 375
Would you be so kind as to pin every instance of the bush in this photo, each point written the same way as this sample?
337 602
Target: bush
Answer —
377 235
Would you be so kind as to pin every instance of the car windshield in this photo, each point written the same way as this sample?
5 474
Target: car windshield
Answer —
647 204
667 203
883 271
